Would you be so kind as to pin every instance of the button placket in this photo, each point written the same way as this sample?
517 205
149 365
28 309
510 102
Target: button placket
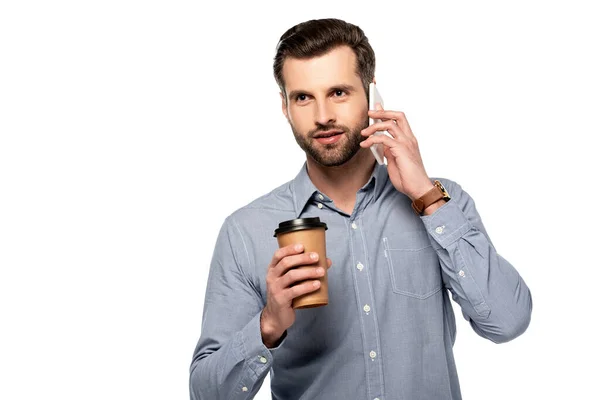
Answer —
365 293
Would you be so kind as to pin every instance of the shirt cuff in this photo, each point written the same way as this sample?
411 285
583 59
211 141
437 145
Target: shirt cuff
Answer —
447 224
256 354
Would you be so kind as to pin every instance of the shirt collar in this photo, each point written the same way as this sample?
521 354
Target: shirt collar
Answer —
304 190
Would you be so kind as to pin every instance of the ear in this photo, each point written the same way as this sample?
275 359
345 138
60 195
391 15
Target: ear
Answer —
283 105
374 80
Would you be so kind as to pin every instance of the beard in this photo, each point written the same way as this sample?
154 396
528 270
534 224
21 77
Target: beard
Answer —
334 154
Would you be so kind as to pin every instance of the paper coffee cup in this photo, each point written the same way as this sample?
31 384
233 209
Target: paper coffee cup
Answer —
310 232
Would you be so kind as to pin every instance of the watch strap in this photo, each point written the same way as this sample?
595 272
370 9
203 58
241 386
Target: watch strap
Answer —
437 192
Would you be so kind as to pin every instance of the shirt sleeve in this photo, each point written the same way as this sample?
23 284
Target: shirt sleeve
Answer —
230 360
492 295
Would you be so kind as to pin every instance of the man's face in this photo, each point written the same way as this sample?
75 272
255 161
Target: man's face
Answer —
325 97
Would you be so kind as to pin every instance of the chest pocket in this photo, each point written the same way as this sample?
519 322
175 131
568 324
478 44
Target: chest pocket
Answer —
413 263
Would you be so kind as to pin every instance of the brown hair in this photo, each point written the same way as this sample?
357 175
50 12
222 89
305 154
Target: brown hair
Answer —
316 37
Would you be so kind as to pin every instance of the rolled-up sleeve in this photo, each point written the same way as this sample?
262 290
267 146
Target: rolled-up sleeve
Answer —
493 296
230 360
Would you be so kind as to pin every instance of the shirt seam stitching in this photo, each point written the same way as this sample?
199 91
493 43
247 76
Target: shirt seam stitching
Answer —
483 302
241 238
235 224
374 313
362 331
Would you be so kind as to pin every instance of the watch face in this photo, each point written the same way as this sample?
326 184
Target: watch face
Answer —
443 189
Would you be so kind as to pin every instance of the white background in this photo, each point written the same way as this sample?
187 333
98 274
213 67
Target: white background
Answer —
131 129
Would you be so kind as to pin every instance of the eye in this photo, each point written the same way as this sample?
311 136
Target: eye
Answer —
301 97
339 92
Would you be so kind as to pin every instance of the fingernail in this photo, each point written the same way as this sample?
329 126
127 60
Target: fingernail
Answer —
298 247
316 283
320 270
314 256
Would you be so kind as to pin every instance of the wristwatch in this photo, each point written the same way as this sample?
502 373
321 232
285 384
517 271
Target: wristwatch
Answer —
438 192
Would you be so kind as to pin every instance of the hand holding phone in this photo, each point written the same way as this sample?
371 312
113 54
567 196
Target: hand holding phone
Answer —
374 98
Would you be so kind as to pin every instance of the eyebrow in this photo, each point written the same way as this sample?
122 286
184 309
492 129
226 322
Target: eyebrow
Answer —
347 88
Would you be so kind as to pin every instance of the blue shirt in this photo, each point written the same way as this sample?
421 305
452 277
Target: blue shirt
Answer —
389 328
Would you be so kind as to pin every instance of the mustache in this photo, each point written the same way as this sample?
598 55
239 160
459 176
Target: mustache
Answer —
325 128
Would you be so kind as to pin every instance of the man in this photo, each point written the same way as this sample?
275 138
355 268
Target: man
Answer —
389 328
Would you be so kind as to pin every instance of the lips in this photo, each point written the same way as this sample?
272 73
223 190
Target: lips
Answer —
328 137
327 134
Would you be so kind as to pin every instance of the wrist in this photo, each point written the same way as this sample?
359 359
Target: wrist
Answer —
428 202
421 192
269 334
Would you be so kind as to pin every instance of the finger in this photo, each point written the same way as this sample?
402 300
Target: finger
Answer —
389 126
284 252
398 116
383 139
300 289
379 108
329 263
387 114
300 274
293 261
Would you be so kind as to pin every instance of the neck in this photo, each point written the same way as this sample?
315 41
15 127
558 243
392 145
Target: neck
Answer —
341 183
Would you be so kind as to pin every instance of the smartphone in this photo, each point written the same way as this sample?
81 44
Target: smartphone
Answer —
374 98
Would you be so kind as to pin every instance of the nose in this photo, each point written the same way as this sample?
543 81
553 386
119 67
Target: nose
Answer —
325 114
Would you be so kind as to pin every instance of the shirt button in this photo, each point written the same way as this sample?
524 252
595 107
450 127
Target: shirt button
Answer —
367 308
244 389
461 273
360 266
263 360
354 226
372 354
319 205
440 229
320 196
